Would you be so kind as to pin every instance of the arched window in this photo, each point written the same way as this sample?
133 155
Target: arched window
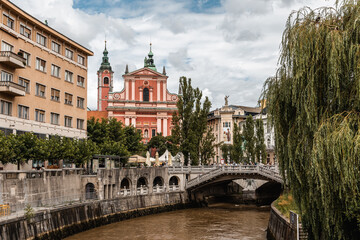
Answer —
106 80
146 95
146 133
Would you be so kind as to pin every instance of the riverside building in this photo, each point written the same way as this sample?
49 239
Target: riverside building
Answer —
222 121
43 86
144 102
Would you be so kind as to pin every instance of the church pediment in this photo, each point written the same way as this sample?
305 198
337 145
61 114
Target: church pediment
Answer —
145 72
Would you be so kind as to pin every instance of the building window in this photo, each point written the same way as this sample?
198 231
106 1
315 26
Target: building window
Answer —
40 90
40 39
153 133
80 81
54 118
226 124
68 76
6 107
80 123
23 112
69 54
40 64
81 60
25 31
146 95
55 95
68 121
39 115
5 47
26 83
68 98
6 77
106 80
55 70
146 133
26 56
55 47
80 102
8 21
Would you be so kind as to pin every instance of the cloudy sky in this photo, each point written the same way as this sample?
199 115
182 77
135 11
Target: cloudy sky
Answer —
227 47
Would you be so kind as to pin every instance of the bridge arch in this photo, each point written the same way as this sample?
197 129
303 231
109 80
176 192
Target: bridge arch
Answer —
142 182
174 180
90 192
158 181
125 183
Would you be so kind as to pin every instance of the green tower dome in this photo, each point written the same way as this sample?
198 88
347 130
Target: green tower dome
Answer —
149 62
105 64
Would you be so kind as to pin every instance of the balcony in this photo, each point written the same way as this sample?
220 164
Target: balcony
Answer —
12 60
12 88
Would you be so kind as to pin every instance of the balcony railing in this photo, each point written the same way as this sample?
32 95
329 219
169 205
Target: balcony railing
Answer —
12 60
12 88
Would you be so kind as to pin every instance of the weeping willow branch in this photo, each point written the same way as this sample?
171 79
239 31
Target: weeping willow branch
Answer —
314 103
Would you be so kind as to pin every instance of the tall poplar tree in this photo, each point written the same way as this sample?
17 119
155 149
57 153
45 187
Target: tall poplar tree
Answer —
315 108
190 120
260 147
237 148
249 137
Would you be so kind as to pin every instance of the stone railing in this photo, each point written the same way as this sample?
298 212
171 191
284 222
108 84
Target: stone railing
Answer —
142 190
268 172
12 84
13 55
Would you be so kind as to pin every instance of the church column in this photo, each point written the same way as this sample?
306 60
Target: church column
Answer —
164 91
159 125
141 94
133 121
151 95
133 89
165 127
127 122
158 91
126 89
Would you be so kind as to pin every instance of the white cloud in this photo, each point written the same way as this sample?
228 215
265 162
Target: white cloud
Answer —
230 51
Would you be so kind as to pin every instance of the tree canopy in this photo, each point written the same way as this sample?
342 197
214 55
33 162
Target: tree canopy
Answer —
314 105
190 122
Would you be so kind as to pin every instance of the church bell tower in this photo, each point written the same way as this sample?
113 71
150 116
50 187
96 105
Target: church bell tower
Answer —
105 81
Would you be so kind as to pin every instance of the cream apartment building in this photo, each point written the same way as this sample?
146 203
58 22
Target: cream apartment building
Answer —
43 86
222 121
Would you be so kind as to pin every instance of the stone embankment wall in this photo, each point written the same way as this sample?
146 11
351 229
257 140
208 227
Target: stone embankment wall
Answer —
62 222
280 228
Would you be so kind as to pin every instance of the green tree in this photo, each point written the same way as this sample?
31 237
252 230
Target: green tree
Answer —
158 142
237 152
55 149
24 147
207 146
84 151
190 121
260 147
133 140
6 153
171 145
249 139
226 150
314 105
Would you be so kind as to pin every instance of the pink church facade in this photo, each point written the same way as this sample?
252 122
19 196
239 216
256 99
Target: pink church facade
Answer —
144 102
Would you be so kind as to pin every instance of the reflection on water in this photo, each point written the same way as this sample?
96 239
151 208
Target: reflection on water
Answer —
220 221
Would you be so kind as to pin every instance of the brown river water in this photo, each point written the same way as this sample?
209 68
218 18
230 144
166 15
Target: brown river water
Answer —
219 221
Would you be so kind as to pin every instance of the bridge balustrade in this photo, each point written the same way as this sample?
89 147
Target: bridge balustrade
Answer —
158 189
125 192
174 188
142 190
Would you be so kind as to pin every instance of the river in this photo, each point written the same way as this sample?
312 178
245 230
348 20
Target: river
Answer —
219 221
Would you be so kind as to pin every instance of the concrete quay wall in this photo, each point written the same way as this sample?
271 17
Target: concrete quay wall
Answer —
65 221
279 227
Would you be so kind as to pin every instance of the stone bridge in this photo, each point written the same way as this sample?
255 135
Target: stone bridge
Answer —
226 173
259 184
